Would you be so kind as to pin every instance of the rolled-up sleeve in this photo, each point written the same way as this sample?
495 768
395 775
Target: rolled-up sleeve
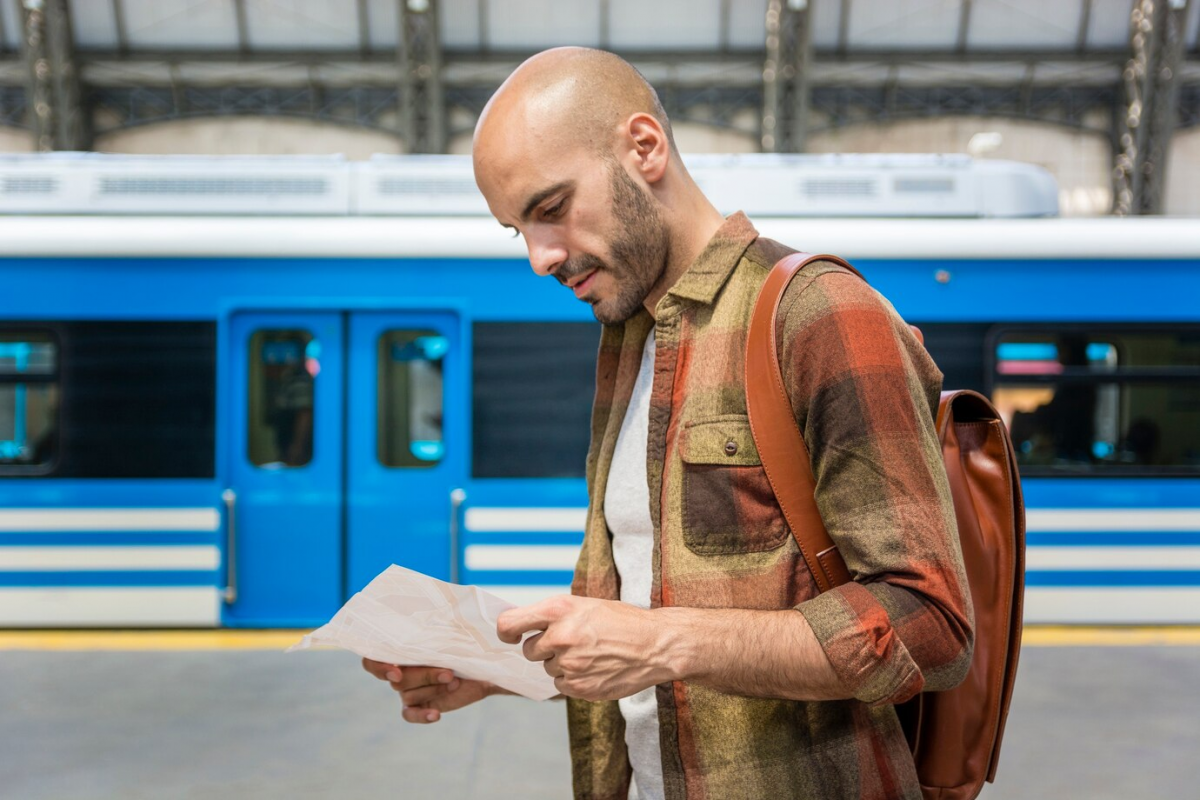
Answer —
865 393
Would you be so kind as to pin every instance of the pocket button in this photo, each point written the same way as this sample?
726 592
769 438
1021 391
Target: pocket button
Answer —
731 448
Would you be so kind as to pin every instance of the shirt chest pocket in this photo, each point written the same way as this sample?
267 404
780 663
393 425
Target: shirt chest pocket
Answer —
728 505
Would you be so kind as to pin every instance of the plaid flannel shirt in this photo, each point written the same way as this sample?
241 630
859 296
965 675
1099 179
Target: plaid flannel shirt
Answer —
865 393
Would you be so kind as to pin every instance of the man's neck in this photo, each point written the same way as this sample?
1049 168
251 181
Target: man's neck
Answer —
691 232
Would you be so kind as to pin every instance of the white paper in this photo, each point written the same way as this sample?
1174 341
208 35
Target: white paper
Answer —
406 618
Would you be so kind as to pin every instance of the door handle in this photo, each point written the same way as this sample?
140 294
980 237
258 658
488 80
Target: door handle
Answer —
457 498
229 593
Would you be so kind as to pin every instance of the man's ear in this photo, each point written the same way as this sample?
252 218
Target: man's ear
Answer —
650 146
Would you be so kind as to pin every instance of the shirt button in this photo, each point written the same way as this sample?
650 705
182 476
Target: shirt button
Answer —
731 448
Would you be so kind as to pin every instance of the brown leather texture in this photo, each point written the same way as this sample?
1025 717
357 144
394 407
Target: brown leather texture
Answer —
984 483
955 735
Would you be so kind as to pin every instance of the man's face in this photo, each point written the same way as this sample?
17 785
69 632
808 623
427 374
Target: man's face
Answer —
587 223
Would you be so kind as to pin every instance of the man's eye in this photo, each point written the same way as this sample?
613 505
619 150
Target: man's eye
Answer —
555 210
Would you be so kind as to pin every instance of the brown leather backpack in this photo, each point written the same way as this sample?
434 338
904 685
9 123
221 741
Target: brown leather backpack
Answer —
954 735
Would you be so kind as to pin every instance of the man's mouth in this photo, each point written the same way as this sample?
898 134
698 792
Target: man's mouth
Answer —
582 286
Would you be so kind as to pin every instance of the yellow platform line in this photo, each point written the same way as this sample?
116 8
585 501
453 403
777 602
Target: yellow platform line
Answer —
144 640
150 640
1110 636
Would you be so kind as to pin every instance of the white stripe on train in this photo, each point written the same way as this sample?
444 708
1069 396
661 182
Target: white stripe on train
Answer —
120 557
1046 520
531 520
79 607
109 519
521 557
1105 605
1185 557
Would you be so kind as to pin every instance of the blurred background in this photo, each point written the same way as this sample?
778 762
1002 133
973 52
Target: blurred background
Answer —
260 338
1110 108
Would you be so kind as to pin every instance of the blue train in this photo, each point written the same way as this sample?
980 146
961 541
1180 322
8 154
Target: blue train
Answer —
214 418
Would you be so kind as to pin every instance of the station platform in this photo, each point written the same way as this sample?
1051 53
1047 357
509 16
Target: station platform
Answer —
1098 713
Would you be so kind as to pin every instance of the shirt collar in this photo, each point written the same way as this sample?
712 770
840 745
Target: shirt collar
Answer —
712 268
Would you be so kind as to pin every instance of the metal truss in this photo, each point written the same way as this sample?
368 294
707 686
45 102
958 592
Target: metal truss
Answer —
726 91
1151 105
56 112
422 113
358 106
786 75
1069 106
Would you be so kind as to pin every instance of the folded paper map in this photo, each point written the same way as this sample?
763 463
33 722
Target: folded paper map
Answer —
404 617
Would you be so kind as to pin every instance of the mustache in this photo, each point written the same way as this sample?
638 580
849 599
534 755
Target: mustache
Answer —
574 267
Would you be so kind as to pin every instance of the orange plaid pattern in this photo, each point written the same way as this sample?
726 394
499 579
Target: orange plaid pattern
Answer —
865 393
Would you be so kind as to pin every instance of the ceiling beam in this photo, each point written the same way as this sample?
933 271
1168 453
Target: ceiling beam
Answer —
843 37
964 26
364 28
1196 36
698 71
118 12
243 26
726 17
1085 22
1115 56
485 33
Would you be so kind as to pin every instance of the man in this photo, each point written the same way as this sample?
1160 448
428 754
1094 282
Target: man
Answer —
695 651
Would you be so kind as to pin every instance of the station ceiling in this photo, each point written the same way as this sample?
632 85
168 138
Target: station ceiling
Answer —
848 27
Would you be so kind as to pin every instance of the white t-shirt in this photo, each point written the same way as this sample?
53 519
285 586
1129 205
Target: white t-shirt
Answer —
627 512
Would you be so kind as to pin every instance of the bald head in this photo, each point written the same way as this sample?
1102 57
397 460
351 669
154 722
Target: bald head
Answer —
575 153
572 95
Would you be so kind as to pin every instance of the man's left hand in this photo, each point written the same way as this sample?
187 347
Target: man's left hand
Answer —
594 649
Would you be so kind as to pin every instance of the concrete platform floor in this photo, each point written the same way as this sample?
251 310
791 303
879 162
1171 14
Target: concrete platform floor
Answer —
1087 722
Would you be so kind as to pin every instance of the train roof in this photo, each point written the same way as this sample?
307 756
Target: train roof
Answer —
482 237
867 185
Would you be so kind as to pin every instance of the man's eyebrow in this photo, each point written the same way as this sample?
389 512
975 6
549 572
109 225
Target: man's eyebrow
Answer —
537 198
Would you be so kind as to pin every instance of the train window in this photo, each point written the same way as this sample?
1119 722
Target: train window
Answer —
956 348
410 398
108 399
28 401
1100 401
532 390
284 365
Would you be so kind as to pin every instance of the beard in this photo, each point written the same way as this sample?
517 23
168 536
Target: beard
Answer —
637 253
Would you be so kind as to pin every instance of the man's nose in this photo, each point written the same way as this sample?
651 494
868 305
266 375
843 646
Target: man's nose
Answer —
545 256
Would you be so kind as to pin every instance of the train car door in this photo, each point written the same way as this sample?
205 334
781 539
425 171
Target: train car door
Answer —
284 500
406 443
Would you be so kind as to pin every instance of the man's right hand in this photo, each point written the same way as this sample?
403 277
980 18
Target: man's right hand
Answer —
427 692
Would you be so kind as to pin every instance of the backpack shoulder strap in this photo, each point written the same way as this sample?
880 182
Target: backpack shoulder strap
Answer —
778 438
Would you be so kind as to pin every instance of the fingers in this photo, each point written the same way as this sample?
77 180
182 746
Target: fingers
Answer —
426 694
403 678
535 649
514 623
421 716
412 677
552 668
377 668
